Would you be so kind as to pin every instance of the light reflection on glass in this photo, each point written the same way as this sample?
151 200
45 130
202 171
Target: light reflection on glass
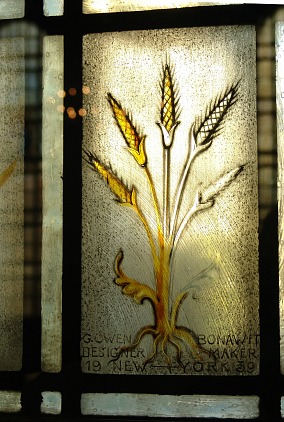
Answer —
108 6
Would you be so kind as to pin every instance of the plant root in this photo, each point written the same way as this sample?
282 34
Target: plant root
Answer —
178 337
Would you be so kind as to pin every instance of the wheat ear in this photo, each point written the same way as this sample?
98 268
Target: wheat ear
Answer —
210 125
120 190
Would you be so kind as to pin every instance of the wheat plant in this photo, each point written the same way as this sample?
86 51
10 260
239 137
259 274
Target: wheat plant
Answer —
169 225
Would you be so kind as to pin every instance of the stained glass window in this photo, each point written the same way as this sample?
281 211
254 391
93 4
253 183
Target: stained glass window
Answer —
163 243
153 249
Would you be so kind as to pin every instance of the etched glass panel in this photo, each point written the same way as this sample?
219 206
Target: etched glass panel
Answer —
150 405
108 6
52 196
51 403
53 7
11 201
10 401
170 207
279 39
11 9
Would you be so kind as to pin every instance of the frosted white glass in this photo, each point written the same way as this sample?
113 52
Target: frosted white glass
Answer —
53 7
10 401
108 6
170 221
12 9
150 405
11 201
51 403
52 170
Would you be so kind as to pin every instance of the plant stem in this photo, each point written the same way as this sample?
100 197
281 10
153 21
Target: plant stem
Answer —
166 192
162 284
149 234
190 157
156 204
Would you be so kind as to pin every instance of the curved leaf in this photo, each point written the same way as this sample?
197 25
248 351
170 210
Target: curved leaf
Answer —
131 287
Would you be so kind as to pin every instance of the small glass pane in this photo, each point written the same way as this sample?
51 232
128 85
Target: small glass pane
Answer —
53 7
11 201
150 405
279 39
51 403
108 6
10 401
170 205
52 170
12 9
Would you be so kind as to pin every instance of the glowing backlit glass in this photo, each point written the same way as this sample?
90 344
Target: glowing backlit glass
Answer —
52 169
108 6
170 245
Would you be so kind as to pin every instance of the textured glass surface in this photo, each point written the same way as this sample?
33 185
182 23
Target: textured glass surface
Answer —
170 246
12 9
53 7
52 169
106 6
51 402
150 405
279 40
11 201
10 401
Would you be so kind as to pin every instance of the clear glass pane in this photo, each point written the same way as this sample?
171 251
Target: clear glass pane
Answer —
51 403
52 170
108 6
11 201
10 401
279 39
53 7
12 9
170 206
150 405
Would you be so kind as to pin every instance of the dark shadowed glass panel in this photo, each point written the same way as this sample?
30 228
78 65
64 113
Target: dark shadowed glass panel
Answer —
11 201
279 40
